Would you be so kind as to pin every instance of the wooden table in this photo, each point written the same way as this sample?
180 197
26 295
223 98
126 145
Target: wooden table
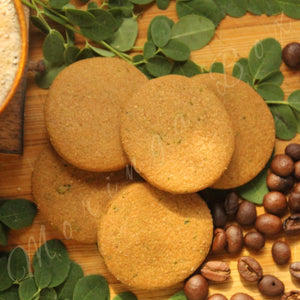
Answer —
233 39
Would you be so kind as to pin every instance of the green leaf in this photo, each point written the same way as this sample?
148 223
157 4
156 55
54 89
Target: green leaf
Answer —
102 52
141 2
92 4
159 66
58 4
176 50
241 71
207 8
255 190
39 24
285 121
53 258
168 20
124 38
257 7
160 31
149 49
70 36
217 67
45 79
65 290
265 58
236 8
80 18
17 213
71 53
27 289
5 280
297 117
290 7
187 68
162 4
272 8
85 53
222 5
3 234
294 100
194 31
179 296
54 17
270 91
10 294
48 294
18 264
92 287
42 277
125 296
54 48
274 77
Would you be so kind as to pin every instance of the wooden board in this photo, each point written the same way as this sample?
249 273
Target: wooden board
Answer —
233 39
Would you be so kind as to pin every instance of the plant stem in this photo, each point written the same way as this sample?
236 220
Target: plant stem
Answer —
118 53
27 4
276 102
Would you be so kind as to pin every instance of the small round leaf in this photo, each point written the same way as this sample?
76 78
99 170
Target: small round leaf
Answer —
176 50
159 66
160 31
18 264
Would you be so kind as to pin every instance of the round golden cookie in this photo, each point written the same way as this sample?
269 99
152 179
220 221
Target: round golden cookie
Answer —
151 239
253 126
71 199
177 134
82 112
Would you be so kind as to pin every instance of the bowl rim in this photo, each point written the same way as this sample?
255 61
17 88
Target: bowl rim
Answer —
24 51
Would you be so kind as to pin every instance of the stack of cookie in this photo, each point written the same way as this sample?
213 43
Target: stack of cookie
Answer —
180 135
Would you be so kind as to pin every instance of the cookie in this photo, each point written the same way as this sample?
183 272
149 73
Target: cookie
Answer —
151 239
177 134
82 112
253 126
71 199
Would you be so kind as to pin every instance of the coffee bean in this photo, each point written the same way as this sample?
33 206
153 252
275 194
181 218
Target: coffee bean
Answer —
219 215
231 204
297 188
294 201
270 286
275 202
278 183
282 165
234 236
297 170
281 252
295 269
246 214
219 240
217 297
254 240
293 151
241 296
291 295
291 225
214 270
268 224
249 268
196 288
291 55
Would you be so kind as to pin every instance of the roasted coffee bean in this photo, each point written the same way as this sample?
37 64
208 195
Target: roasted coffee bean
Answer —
241 296
291 55
291 295
215 270
246 214
249 268
234 236
297 170
268 224
297 188
295 269
293 151
254 240
282 165
294 201
278 183
270 286
217 297
219 215
275 202
196 288
281 252
231 204
291 225
219 240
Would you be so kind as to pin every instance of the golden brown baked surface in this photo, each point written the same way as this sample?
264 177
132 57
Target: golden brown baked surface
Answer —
151 239
82 112
177 134
252 123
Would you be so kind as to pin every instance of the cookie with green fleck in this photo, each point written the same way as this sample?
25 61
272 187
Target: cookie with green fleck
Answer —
82 112
177 134
72 199
252 123
151 239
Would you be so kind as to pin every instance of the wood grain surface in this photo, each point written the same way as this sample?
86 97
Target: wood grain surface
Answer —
233 39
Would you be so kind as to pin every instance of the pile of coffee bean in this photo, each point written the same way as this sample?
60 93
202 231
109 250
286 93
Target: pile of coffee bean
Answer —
231 215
